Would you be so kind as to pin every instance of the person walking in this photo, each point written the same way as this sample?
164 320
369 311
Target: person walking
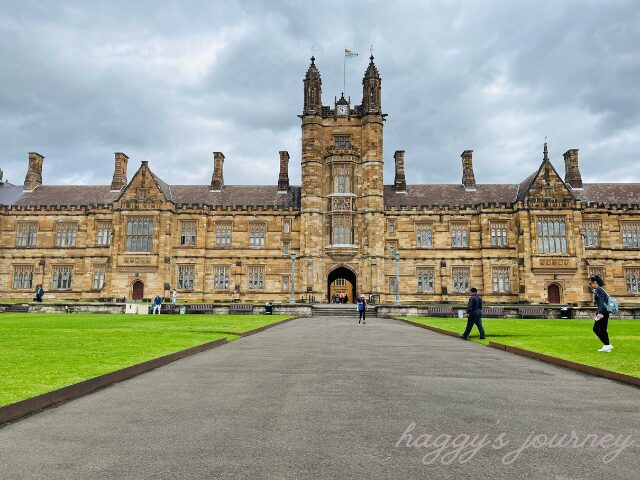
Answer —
39 293
174 297
157 304
601 299
474 312
362 310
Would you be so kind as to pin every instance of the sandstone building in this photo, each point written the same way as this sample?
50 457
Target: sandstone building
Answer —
535 241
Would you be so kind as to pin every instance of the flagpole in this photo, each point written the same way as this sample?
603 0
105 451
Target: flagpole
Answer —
344 70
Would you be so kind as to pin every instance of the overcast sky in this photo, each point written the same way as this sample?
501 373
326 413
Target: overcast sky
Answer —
171 82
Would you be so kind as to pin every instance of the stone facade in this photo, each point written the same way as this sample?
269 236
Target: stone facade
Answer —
536 241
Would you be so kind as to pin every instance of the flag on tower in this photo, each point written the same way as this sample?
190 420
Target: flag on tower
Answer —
349 54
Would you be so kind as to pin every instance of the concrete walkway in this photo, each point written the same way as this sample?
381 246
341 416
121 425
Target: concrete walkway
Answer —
328 398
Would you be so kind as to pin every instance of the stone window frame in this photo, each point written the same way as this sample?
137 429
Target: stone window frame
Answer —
256 276
545 239
66 234
392 284
286 248
139 229
27 234
188 232
632 280
342 229
186 276
501 279
426 275
257 234
223 233
342 141
392 248
62 277
286 226
460 234
221 277
23 276
630 235
591 231
99 276
104 232
460 277
499 233
342 178
424 234
286 283
391 226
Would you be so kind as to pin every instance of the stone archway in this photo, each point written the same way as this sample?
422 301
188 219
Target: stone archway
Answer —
137 290
553 293
344 280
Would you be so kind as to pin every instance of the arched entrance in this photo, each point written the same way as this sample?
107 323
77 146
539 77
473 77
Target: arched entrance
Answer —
137 290
342 280
553 293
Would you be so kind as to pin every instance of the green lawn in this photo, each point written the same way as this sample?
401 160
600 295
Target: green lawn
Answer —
569 339
43 352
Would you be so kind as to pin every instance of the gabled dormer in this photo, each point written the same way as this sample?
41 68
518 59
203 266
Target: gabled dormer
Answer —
145 190
545 188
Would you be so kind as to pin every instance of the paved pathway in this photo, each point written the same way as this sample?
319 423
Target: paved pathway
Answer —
327 398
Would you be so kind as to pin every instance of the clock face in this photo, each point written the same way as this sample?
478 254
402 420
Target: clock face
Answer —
343 109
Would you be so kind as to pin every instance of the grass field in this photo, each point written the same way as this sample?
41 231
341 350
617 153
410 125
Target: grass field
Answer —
43 352
568 339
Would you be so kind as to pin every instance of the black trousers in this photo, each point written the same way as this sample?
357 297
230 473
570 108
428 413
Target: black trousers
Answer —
600 329
363 315
475 318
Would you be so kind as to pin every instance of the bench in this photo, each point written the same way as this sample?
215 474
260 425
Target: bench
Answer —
240 308
168 308
440 310
200 308
493 312
535 312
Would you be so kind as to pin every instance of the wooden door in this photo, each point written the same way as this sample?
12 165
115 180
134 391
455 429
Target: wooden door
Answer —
554 293
138 290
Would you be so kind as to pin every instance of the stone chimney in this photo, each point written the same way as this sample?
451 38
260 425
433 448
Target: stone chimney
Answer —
217 180
468 178
572 175
34 174
283 178
400 183
119 172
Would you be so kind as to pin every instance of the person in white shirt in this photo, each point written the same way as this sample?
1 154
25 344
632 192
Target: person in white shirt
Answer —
174 296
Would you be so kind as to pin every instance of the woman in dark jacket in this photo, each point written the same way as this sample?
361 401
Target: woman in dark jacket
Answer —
601 299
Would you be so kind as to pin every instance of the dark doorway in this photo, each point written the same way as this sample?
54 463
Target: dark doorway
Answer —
342 280
138 290
553 293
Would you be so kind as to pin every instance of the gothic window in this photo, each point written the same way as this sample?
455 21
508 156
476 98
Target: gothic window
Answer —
27 234
591 232
340 282
62 277
342 141
459 235
105 233
285 248
186 276
256 234
341 229
552 235
631 235
392 249
286 225
426 278
66 234
22 277
596 271
498 234
461 279
221 278
501 280
223 234
98 277
286 281
632 277
392 227
256 278
342 175
139 236
188 230
424 235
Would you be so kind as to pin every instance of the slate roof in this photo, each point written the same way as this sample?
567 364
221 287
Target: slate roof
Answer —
441 195
9 193
71 195
609 193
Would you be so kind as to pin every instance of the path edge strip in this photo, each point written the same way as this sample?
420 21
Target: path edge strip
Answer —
29 406
561 362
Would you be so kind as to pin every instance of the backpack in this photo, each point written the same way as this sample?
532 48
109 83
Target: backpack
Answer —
612 304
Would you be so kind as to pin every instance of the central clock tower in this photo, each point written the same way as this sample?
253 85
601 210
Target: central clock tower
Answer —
342 203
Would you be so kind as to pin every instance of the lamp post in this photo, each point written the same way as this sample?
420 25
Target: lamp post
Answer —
293 277
397 278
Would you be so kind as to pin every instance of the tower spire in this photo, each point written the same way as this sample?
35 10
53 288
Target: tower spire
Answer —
371 89
312 90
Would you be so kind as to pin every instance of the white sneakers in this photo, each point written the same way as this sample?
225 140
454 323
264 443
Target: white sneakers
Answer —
606 348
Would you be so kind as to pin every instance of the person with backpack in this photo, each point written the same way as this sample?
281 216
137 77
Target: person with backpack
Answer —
157 304
474 312
362 310
601 299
